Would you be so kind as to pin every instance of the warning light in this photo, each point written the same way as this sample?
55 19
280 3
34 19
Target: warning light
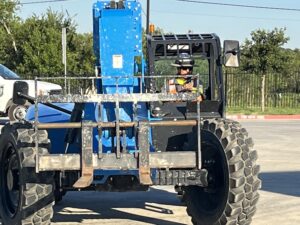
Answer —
151 28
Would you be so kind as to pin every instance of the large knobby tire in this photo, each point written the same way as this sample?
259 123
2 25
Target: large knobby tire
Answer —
26 197
232 192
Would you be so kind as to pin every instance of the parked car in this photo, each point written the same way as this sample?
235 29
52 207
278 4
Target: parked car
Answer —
7 80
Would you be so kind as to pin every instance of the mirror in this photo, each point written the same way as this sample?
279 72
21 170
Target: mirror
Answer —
231 53
20 87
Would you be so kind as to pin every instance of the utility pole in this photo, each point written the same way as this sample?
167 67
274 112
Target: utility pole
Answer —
148 17
64 52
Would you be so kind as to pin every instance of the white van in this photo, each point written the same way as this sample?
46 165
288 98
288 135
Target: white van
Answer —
7 80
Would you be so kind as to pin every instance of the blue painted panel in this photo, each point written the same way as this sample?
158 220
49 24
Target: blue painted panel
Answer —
57 136
119 40
117 44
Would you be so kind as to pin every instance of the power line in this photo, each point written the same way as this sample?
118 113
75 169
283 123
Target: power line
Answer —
226 16
41 2
240 5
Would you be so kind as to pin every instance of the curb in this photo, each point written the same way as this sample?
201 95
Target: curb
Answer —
263 117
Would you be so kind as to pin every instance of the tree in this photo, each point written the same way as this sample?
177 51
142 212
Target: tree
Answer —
81 54
8 21
263 54
293 70
295 60
41 50
40 44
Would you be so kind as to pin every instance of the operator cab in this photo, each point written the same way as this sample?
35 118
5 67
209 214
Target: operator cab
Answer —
205 51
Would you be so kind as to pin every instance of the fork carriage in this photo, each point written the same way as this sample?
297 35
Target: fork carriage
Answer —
173 170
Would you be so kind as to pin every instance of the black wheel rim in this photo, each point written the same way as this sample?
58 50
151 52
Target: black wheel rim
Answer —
209 202
10 184
216 191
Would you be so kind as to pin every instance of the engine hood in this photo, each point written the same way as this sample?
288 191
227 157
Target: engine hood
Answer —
44 85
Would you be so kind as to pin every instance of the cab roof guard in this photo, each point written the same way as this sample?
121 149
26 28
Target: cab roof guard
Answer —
169 46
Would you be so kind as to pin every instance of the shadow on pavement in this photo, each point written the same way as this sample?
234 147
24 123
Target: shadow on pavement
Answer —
110 205
287 183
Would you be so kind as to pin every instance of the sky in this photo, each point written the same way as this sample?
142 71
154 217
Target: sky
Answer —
229 23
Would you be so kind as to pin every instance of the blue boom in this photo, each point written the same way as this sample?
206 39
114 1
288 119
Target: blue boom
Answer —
118 49
119 57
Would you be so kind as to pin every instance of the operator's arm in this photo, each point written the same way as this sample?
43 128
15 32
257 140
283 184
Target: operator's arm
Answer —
193 88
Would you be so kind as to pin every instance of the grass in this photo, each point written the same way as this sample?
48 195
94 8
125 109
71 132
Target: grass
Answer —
268 111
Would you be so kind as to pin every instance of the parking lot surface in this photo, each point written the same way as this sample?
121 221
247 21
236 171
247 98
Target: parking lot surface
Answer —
278 146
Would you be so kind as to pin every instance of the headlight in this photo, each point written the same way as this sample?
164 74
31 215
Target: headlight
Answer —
1 90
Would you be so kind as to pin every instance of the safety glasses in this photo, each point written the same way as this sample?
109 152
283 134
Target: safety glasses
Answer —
186 68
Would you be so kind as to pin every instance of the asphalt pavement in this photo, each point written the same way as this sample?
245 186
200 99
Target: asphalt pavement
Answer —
277 142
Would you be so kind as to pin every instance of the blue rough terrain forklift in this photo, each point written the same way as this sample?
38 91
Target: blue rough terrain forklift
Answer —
127 132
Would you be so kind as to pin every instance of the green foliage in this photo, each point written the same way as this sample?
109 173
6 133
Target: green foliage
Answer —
2 48
268 111
7 10
38 44
294 60
264 53
33 47
81 54
281 91
8 22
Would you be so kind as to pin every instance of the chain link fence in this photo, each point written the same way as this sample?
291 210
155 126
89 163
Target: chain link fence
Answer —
243 90
74 86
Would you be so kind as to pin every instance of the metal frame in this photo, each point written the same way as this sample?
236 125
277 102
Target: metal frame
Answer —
214 55
87 165
144 160
146 97
171 45
88 161
68 162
